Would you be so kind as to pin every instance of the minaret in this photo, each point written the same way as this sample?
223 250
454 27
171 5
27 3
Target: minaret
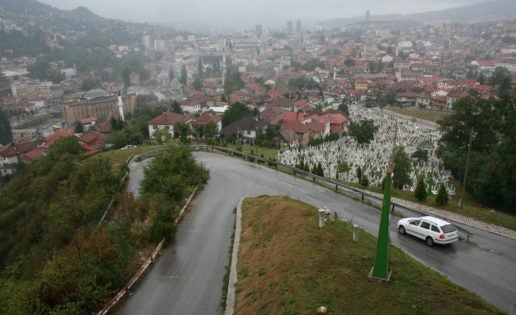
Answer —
120 107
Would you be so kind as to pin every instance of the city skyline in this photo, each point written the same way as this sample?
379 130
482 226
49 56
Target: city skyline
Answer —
267 12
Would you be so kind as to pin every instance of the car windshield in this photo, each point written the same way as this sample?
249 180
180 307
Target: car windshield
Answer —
448 228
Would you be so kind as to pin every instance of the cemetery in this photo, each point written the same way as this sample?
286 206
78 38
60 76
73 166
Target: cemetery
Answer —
373 157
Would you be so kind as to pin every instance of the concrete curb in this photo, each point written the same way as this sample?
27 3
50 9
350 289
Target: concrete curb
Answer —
231 295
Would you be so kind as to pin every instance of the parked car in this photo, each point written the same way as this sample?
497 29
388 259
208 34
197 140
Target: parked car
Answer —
432 230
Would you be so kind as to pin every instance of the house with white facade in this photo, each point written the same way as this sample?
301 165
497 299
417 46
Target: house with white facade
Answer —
167 121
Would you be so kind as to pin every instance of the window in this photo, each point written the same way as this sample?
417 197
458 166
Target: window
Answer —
425 225
448 228
435 229
415 222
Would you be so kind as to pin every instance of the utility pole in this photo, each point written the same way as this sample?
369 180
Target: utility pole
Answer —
468 155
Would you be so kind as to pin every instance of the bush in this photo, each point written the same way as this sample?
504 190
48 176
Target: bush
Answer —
163 226
442 195
420 192
364 181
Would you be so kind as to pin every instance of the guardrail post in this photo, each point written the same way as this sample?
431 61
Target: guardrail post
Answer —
392 208
467 237
336 187
322 213
356 231
362 197
314 179
294 172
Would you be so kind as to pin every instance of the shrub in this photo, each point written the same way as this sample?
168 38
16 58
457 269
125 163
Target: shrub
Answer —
442 195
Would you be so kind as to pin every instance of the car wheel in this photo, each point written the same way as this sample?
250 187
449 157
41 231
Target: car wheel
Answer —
401 229
429 241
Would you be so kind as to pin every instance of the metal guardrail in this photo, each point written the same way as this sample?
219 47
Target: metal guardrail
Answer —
251 157
316 178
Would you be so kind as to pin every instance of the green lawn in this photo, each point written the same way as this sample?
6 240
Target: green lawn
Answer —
287 265
429 115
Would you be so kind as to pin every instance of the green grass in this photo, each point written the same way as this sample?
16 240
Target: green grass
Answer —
119 157
287 265
429 115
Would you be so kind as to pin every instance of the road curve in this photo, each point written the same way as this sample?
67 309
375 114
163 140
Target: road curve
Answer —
188 276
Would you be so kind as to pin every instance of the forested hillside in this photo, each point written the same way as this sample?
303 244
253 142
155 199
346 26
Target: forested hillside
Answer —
51 260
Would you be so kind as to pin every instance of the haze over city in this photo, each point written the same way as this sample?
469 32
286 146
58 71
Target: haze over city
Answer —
257 157
246 13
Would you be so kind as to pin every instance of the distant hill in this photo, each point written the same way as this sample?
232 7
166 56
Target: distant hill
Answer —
479 12
83 13
36 9
25 7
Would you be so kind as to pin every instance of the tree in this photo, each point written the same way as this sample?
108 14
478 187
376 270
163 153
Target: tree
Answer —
6 135
235 112
89 83
420 155
502 78
343 107
182 131
420 192
197 84
176 107
481 79
200 72
233 81
183 77
349 62
402 168
162 135
63 146
442 195
210 130
363 131
359 173
78 127
364 181
343 167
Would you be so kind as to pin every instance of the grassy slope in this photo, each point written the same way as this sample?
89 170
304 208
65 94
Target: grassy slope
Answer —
429 115
287 265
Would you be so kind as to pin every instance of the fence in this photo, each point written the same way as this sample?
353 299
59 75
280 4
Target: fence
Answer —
338 186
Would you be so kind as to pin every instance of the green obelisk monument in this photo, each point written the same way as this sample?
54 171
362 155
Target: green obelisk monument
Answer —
380 270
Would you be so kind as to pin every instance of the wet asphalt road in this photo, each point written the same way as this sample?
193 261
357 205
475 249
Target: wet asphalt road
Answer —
188 276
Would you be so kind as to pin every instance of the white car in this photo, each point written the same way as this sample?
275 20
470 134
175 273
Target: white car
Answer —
432 230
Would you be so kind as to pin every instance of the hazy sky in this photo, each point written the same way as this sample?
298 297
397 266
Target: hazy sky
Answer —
248 12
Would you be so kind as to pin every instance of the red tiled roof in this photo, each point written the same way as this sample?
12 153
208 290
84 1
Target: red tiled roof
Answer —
104 127
33 154
88 120
316 126
90 136
293 116
296 127
8 151
50 140
169 118
204 119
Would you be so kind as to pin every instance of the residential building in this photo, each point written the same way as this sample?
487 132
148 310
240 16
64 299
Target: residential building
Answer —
167 121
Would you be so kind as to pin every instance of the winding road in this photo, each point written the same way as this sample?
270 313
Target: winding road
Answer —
188 276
